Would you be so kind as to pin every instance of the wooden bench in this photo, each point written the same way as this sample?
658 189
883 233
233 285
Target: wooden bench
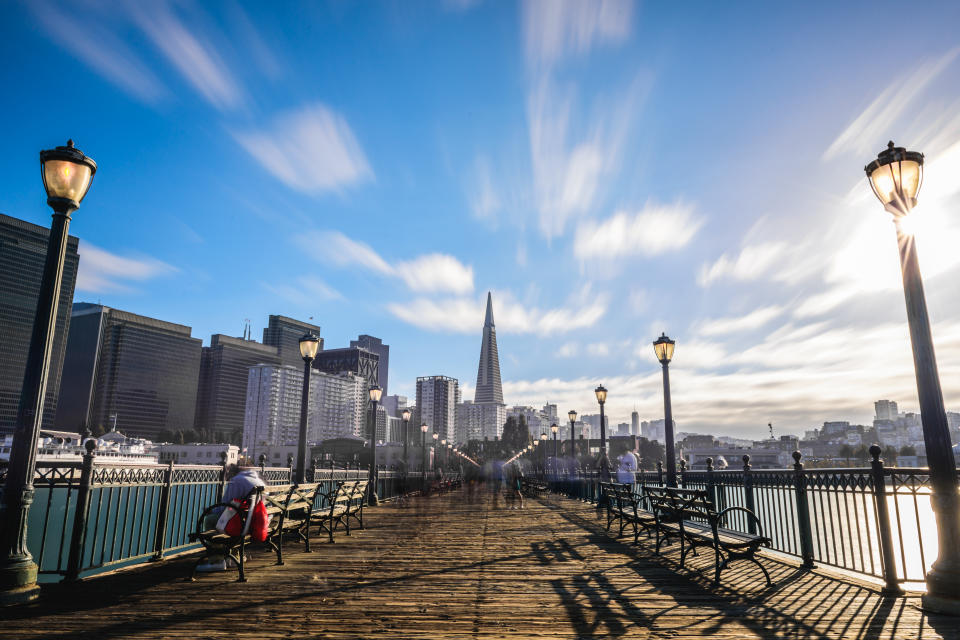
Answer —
626 508
532 487
218 543
689 515
343 503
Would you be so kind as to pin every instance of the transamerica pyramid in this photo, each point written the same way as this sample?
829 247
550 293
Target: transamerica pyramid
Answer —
488 375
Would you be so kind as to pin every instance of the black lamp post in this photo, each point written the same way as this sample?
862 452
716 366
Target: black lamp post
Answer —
543 453
895 177
406 439
601 393
573 436
663 348
309 344
443 450
66 174
375 393
554 429
423 448
433 460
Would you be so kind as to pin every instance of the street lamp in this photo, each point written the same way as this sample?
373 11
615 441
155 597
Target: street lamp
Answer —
433 462
375 393
543 453
66 174
406 439
423 449
443 447
663 348
554 428
601 393
573 436
309 345
895 177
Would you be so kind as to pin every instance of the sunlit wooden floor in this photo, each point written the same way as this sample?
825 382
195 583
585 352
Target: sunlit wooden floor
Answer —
461 566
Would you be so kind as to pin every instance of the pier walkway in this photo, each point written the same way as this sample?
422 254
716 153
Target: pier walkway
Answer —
459 566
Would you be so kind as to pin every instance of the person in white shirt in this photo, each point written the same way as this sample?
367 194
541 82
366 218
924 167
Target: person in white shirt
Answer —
627 470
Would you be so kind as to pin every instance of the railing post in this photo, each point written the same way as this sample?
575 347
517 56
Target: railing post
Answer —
660 472
290 467
887 559
711 488
803 512
748 493
683 473
77 539
223 473
162 511
263 464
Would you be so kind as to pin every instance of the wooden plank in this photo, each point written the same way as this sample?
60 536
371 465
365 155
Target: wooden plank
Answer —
465 565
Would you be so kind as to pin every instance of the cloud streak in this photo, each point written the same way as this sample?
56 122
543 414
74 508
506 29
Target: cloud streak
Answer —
103 272
311 150
651 231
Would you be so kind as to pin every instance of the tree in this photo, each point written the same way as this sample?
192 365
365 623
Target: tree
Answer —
97 431
907 450
516 435
178 437
845 451
650 451
890 455
862 454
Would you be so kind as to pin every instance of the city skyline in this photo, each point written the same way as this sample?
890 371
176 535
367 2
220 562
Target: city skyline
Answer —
598 171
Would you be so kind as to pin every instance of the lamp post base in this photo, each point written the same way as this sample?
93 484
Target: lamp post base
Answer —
18 583
940 604
374 500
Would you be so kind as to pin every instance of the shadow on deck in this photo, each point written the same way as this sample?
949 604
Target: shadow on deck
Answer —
462 566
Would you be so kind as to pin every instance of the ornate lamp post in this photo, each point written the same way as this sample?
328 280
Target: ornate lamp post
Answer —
601 393
554 429
572 415
433 462
66 174
375 393
309 344
895 177
663 348
406 439
543 453
423 449
443 450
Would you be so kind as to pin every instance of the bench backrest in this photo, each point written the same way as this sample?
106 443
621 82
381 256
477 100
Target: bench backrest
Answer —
673 505
622 495
301 499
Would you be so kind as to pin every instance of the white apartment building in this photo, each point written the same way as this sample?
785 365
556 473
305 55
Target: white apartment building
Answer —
272 413
198 453
437 400
338 406
476 421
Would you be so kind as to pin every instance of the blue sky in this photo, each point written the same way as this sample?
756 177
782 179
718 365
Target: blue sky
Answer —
609 170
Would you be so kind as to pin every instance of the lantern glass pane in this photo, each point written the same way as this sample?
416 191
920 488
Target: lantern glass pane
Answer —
65 179
308 347
375 393
572 415
601 395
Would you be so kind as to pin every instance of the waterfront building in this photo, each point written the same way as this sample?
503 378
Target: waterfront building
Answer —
437 400
375 345
23 251
128 371
338 406
222 390
198 453
272 410
478 421
284 333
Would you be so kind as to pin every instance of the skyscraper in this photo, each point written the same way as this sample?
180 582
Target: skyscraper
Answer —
222 390
272 411
284 333
635 423
375 345
23 250
123 369
437 399
489 388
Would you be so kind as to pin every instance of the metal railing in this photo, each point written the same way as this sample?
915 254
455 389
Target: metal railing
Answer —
876 521
88 517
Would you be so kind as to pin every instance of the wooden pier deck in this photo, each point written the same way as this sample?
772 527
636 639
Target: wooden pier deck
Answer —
458 566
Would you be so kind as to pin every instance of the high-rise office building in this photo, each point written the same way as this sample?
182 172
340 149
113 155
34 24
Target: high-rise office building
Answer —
222 389
131 372
272 410
886 410
635 423
375 345
489 388
356 360
23 251
338 406
437 400
478 421
284 333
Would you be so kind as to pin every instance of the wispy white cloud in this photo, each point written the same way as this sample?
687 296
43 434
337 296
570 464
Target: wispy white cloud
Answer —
484 200
876 121
193 56
436 272
568 350
554 29
92 41
428 273
309 290
752 320
103 272
598 349
460 5
751 263
311 149
464 314
651 231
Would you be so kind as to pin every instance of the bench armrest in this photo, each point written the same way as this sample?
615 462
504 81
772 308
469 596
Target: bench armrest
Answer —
750 514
